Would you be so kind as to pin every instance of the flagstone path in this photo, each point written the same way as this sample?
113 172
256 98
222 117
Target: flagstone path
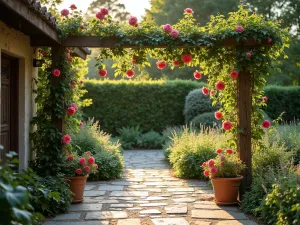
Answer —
149 195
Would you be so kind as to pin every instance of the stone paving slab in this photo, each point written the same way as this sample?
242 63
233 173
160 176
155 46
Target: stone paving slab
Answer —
68 216
107 187
77 223
176 209
129 193
237 222
86 207
106 215
93 193
170 221
150 211
129 222
217 214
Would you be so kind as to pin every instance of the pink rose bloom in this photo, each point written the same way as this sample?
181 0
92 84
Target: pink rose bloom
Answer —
213 170
81 161
265 99
168 28
229 151
56 72
78 171
174 33
218 151
65 12
266 124
270 40
100 16
71 111
239 28
132 20
104 11
206 173
189 11
87 169
73 7
220 85
222 157
205 91
81 123
212 92
66 139
204 164
91 160
70 158
227 125
74 105
96 166
211 163
248 54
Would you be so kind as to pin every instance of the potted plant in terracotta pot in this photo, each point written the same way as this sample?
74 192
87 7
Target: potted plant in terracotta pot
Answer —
225 173
77 170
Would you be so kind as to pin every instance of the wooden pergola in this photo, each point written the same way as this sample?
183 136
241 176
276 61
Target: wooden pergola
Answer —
45 35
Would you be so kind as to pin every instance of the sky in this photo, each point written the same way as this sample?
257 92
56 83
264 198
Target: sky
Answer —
134 7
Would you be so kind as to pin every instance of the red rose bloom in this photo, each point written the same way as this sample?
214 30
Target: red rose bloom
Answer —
130 73
100 16
56 72
161 64
205 91
266 124
197 75
204 164
227 125
73 7
213 170
265 99
206 173
104 11
70 158
132 21
220 85
71 111
248 54
176 63
87 169
65 12
234 74
189 11
218 115
229 151
187 58
102 73
212 92
218 151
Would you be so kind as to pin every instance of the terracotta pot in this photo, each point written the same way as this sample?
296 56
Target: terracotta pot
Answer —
226 190
77 185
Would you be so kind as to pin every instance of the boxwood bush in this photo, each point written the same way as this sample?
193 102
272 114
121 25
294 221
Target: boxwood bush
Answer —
196 103
283 99
151 105
206 119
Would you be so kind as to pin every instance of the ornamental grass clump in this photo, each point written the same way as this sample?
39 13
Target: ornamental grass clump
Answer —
225 165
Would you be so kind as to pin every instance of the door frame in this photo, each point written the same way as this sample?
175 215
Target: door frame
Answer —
14 102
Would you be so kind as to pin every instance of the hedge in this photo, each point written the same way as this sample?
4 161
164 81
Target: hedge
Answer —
283 99
151 105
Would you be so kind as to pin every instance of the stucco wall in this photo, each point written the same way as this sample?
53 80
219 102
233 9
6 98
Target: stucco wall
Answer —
17 44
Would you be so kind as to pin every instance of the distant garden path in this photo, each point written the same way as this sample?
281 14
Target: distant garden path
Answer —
148 194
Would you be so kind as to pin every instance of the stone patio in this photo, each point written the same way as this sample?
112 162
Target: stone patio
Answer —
149 195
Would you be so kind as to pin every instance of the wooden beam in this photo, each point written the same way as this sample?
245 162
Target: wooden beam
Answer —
79 52
244 123
112 42
33 18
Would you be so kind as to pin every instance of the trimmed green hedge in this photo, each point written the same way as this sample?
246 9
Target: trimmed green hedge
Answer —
283 99
151 105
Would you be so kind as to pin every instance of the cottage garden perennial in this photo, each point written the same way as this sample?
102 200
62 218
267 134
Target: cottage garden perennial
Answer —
220 64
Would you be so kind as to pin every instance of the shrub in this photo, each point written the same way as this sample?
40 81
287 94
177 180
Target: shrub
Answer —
129 136
48 195
283 99
282 206
196 103
111 165
151 105
189 150
206 119
289 135
100 145
14 197
150 139
168 135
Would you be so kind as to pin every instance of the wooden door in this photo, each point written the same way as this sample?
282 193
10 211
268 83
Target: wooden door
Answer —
9 105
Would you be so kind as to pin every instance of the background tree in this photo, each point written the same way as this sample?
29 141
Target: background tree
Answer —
116 9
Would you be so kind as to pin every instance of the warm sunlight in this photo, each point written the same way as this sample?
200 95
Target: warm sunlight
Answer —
134 7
